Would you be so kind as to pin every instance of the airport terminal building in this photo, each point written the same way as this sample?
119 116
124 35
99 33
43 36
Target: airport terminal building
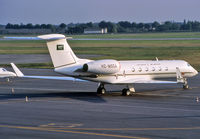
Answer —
95 31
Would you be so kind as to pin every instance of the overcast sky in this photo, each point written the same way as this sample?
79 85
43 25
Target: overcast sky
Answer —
78 11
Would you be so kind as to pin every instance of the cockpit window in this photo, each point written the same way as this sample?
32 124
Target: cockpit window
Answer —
188 65
4 69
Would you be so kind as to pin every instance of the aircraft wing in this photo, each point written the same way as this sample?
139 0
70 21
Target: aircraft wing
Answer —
143 80
20 74
53 78
155 81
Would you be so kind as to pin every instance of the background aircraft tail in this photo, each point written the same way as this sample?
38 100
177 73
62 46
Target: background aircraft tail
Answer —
60 51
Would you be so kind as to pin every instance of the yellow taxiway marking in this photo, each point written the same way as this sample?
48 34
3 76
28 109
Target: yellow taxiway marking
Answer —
67 131
142 129
70 126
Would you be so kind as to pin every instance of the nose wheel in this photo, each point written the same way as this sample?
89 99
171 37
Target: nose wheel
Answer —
185 85
7 80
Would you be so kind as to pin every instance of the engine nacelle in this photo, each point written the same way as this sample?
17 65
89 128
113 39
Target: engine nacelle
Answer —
107 66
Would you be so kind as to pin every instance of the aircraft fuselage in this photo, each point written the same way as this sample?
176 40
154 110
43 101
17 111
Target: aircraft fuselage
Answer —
132 69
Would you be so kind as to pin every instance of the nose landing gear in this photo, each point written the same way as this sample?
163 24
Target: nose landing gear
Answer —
185 84
181 79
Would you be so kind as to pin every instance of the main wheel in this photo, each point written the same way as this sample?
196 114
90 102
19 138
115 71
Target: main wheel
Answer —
186 86
101 91
126 92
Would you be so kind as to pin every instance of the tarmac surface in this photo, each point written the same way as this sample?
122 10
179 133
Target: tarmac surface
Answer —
101 39
134 39
33 108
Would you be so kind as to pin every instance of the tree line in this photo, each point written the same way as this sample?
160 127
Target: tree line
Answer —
36 26
120 27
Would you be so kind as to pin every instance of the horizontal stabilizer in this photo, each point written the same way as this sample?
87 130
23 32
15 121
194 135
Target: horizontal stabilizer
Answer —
52 37
41 37
21 38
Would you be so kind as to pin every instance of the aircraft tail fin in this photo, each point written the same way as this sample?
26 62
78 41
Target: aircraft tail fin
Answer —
17 71
60 51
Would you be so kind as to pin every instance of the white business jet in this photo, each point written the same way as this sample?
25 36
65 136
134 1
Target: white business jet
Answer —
6 74
110 71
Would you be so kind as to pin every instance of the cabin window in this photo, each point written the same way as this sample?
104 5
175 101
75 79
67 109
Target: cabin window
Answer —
133 69
3 69
159 68
140 69
153 69
60 47
146 69
166 68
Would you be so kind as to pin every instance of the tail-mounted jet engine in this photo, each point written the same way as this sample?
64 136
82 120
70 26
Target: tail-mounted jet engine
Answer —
107 66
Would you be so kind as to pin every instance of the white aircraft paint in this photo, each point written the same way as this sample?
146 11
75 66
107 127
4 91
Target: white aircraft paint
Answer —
5 74
109 71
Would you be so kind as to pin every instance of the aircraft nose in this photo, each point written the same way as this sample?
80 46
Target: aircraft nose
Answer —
12 74
195 72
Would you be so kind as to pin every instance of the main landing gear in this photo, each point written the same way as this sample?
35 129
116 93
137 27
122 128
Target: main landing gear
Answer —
101 90
125 92
128 91
181 79
7 79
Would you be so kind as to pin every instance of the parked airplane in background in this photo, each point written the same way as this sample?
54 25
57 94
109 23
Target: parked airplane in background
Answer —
6 74
110 71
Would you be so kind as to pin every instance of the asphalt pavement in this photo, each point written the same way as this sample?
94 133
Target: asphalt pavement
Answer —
38 109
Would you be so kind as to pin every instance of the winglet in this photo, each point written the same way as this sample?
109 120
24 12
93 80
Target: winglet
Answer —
17 71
